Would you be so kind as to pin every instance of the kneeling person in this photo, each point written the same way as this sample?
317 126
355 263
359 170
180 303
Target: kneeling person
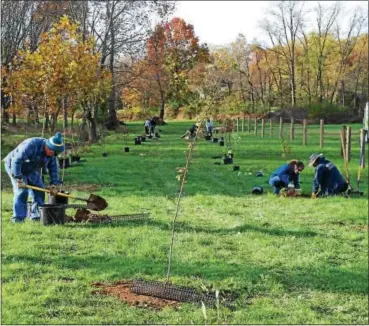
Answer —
286 174
327 180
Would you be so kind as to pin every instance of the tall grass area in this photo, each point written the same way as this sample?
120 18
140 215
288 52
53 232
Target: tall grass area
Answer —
288 260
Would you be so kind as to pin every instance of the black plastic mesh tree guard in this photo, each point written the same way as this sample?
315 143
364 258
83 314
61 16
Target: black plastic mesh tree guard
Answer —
173 292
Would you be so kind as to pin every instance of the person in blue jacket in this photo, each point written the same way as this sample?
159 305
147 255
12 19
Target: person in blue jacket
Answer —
23 166
287 173
327 180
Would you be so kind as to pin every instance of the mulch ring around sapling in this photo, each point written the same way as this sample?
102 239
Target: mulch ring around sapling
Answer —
122 291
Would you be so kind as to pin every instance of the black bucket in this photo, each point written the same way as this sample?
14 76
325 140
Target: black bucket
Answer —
58 200
207 137
75 158
52 214
62 164
137 141
221 143
126 149
215 140
228 160
104 154
236 168
142 138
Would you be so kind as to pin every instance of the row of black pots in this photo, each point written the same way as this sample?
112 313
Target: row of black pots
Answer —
66 162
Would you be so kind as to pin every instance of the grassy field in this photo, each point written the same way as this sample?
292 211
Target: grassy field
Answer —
289 261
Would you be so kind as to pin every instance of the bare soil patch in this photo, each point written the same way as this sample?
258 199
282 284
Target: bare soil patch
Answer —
122 291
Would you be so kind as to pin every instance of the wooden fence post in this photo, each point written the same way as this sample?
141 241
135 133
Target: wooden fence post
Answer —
362 148
262 128
281 127
348 144
343 132
321 133
292 133
243 124
255 126
270 127
304 132
249 124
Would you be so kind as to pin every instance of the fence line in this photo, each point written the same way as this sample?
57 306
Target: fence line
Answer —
294 125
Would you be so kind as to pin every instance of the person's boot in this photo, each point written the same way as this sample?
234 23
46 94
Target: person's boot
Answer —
17 219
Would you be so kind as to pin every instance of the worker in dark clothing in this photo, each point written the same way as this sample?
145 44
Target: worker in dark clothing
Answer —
152 127
285 175
191 132
327 180
23 166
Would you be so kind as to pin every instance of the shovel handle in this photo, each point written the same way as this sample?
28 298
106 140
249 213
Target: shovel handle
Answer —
57 194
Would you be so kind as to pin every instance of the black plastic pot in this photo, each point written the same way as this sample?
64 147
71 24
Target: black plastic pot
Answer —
215 140
104 154
137 141
75 158
52 214
126 149
221 143
236 167
64 163
142 138
58 200
228 160
207 137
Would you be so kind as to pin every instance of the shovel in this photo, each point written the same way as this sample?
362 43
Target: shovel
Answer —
94 202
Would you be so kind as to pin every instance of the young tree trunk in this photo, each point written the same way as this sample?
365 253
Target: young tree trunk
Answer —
47 120
14 121
29 115
72 121
5 104
65 113
54 119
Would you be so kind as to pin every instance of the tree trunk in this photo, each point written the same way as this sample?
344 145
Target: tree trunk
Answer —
29 115
54 119
14 122
293 83
47 119
72 121
92 127
112 122
162 100
65 114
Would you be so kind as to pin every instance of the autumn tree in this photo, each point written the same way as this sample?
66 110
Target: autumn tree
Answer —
62 68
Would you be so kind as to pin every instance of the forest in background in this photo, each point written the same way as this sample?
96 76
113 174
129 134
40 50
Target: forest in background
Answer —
105 62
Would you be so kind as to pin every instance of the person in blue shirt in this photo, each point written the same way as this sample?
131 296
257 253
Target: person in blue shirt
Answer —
327 180
287 173
23 166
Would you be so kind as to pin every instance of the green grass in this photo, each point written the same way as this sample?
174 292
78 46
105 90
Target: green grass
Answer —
290 261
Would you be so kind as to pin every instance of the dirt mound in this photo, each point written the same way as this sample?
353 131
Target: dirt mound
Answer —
84 215
122 291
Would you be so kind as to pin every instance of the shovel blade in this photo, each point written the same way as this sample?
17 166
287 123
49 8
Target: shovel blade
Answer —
96 203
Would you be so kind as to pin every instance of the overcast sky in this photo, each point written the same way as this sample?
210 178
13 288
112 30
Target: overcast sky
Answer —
219 22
